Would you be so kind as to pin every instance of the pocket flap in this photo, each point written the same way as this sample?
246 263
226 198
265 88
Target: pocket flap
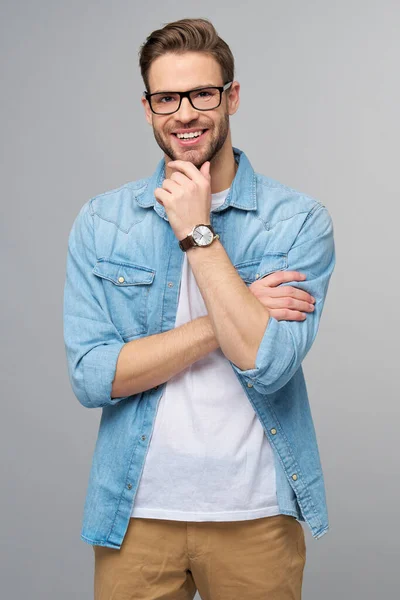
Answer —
257 268
122 273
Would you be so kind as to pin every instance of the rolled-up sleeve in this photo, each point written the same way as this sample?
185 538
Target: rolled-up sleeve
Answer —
285 344
92 343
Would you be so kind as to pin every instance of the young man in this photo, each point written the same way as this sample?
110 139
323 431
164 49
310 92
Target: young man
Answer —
181 323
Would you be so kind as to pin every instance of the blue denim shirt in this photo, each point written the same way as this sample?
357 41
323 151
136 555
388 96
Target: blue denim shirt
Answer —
122 282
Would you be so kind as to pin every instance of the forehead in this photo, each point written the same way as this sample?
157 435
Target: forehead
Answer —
181 72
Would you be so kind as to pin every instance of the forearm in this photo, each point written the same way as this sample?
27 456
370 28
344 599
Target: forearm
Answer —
152 360
237 316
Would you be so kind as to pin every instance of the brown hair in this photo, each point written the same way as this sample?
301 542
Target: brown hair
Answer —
186 35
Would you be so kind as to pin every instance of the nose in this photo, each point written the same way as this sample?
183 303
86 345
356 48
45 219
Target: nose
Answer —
186 112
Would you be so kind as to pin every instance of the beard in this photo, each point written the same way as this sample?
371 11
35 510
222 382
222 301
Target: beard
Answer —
200 156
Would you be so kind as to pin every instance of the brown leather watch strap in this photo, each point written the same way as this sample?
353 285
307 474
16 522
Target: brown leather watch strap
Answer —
188 241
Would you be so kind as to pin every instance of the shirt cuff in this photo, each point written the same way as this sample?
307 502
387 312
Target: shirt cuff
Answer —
274 360
99 367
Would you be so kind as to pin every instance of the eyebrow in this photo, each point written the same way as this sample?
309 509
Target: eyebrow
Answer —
198 87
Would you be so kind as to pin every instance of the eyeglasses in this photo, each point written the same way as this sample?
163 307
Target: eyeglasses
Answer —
166 103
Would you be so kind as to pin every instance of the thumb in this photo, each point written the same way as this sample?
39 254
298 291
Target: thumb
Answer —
205 169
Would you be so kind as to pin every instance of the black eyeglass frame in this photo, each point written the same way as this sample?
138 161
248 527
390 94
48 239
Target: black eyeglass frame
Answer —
221 89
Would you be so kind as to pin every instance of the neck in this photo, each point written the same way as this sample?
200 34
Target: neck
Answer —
223 169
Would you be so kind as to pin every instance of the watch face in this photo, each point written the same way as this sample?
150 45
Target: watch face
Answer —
202 235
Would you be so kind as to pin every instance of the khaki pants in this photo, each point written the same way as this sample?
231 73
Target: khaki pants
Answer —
260 559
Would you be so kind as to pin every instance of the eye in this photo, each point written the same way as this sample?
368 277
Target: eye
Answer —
165 99
204 94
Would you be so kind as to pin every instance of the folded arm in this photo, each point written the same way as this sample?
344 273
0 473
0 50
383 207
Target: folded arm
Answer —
102 368
285 344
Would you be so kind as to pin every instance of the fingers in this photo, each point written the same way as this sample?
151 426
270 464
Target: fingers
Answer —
292 292
283 314
188 169
171 186
286 303
287 306
281 292
180 178
279 277
162 196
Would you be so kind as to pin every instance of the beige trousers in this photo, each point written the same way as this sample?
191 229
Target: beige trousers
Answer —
260 559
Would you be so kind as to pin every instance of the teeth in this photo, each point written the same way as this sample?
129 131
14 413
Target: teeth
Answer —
189 135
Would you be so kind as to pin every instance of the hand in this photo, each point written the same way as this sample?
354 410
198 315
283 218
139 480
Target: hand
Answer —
186 196
285 303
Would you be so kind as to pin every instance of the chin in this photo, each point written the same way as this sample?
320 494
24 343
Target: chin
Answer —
198 158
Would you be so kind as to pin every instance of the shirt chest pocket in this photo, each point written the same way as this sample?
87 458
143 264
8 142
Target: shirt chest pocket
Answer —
126 288
252 270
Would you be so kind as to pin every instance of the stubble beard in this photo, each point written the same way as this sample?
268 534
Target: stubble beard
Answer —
197 157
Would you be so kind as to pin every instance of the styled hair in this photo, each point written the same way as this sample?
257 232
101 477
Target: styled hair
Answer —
186 35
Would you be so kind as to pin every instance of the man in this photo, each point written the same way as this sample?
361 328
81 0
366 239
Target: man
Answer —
182 325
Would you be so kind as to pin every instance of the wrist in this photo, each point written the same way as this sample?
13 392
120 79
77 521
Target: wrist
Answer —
197 254
202 234
187 230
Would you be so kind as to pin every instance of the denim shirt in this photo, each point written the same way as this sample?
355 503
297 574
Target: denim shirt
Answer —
123 275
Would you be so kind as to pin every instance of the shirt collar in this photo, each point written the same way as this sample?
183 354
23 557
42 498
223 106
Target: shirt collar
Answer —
242 193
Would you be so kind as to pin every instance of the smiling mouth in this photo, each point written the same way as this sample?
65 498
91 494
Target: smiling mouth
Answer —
190 138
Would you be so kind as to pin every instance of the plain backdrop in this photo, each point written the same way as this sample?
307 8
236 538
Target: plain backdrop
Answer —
320 97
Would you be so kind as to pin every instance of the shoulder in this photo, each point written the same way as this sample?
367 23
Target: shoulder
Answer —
117 206
279 202
106 203
279 193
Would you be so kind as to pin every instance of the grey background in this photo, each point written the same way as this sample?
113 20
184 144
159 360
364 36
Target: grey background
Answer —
326 79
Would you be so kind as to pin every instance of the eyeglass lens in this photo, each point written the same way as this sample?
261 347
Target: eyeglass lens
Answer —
206 98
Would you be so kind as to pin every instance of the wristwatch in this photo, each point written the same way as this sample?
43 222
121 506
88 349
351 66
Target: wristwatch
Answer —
201 235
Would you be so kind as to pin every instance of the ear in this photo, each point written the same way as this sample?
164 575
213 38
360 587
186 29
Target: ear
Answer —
147 111
233 98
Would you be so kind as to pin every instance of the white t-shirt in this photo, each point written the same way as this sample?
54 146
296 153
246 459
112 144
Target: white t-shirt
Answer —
209 458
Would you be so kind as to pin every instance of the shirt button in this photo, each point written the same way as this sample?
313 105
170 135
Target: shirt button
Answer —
273 431
129 486
121 279
249 384
257 275
294 477
143 437
170 284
